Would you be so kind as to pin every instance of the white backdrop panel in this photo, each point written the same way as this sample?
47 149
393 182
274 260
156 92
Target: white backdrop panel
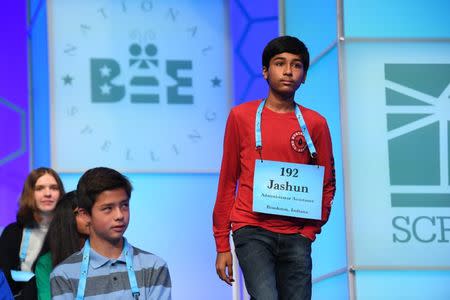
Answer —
140 86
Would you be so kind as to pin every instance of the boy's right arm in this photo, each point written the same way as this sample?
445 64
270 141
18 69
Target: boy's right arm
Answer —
224 266
229 174
61 286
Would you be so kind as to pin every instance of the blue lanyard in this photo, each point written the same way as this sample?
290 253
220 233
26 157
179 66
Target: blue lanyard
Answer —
25 243
301 122
127 250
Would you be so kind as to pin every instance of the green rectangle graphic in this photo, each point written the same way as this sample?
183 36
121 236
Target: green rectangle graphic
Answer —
420 200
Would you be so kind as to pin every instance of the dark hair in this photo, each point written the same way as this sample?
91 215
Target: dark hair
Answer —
288 44
97 180
27 202
62 236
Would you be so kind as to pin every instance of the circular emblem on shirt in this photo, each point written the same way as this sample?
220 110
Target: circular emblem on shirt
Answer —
298 142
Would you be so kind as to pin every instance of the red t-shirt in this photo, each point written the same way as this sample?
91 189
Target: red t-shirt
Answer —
281 136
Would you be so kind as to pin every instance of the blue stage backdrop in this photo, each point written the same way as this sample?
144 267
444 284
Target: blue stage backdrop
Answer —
105 70
395 59
138 95
14 108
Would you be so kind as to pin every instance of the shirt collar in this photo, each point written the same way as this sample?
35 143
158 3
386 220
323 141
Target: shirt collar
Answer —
97 260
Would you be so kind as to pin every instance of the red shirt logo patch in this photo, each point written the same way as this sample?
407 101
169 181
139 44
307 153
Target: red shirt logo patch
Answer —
298 142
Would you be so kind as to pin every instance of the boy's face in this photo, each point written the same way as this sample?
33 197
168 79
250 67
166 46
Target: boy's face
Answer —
285 73
109 216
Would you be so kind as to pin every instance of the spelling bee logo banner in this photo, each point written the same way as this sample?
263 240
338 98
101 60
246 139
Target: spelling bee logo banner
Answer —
141 86
418 124
397 117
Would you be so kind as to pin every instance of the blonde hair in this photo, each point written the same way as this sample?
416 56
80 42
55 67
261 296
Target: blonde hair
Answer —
27 203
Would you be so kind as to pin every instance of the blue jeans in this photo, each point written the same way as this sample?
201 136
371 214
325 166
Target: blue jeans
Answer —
275 265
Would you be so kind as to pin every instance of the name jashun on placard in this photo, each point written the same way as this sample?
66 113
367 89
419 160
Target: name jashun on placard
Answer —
286 187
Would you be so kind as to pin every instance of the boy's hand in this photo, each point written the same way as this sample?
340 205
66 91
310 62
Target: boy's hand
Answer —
224 267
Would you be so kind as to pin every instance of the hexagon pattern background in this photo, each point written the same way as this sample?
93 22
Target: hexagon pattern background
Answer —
14 108
254 23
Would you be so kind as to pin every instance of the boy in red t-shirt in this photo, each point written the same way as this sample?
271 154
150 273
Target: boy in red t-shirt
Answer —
273 249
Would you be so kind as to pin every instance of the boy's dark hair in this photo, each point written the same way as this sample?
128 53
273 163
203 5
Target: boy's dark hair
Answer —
97 180
288 44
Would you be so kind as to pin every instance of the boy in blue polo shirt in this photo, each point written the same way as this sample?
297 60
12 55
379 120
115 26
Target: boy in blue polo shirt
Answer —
108 266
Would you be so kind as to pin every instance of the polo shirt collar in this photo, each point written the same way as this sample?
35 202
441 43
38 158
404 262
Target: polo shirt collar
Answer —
97 260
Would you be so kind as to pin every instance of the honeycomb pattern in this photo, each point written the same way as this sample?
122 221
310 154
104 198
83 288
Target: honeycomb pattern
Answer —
13 157
12 130
252 25
14 108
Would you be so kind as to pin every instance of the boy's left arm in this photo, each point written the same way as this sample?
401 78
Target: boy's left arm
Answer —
160 285
325 158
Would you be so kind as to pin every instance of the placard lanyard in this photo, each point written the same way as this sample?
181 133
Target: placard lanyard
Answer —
25 243
301 122
128 253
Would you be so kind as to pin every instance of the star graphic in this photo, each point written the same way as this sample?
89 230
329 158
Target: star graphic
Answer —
216 82
106 89
105 71
67 80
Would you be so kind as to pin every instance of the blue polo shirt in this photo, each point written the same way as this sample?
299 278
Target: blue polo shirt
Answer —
108 278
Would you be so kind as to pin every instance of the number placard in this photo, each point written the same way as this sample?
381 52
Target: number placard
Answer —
288 189
288 172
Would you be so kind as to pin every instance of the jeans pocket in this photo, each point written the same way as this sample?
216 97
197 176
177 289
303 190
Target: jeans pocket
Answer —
241 235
